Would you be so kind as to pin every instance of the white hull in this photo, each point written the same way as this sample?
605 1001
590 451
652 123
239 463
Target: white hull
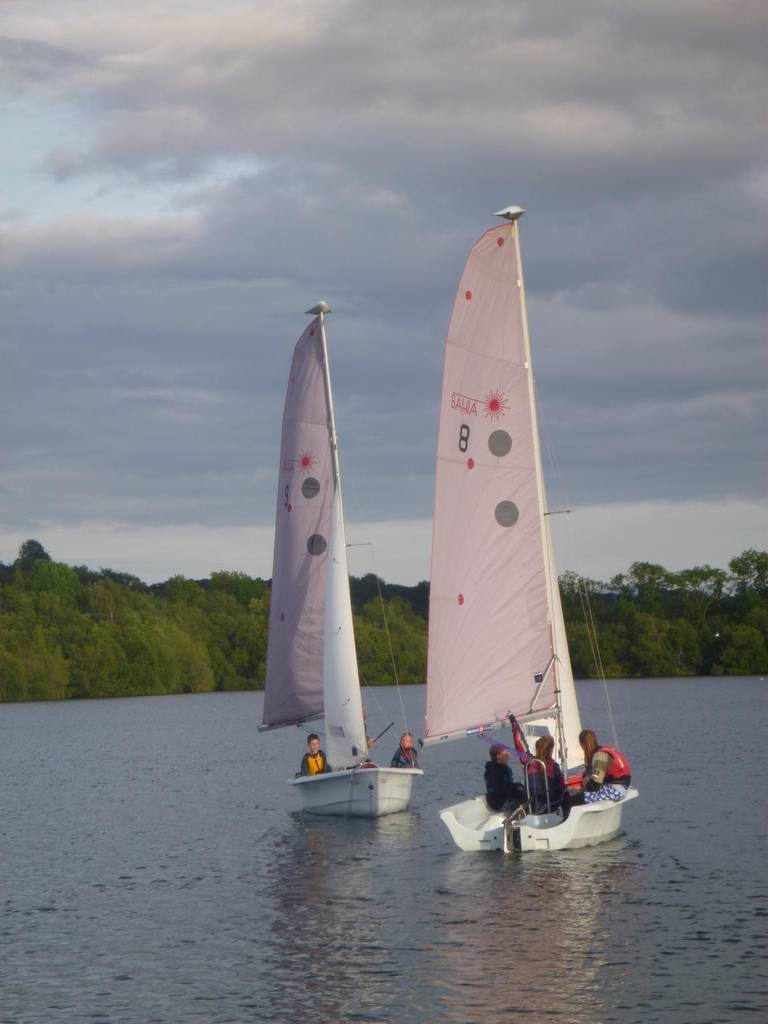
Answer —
474 828
357 792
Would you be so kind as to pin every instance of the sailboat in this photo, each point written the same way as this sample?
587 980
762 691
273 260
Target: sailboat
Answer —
497 640
311 657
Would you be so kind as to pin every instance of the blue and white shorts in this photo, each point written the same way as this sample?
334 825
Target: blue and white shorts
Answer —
606 792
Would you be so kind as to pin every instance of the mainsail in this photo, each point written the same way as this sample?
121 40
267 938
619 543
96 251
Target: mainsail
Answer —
311 660
494 616
305 499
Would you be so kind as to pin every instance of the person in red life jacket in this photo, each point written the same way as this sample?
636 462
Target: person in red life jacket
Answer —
607 773
314 761
405 756
556 788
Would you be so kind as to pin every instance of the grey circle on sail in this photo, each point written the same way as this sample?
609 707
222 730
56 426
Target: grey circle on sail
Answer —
506 513
311 487
500 443
316 544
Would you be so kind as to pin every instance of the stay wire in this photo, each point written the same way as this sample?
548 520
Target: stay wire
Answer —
583 591
353 491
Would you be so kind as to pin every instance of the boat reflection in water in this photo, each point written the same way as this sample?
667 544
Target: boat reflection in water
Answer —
526 939
330 952
365 924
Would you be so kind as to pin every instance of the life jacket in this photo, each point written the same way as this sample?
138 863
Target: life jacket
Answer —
550 765
555 787
619 769
316 763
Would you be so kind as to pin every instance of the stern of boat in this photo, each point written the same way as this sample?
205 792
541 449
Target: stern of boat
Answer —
365 791
473 827
586 825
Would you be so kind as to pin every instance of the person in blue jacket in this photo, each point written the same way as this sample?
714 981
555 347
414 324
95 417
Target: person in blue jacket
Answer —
501 791
405 756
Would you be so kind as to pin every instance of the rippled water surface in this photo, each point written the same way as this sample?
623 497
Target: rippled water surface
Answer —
152 868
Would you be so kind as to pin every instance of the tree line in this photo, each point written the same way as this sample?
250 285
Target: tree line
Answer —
69 631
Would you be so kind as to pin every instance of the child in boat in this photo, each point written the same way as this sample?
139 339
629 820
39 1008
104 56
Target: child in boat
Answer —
556 787
314 761
405 756
607 774
501 790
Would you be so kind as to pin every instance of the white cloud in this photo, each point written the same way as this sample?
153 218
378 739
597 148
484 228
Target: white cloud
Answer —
597 541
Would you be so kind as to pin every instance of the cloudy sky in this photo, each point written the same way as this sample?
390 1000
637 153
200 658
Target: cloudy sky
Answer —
181 180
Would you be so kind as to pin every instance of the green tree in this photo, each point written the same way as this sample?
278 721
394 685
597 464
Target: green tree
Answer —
239 585
744 652
31 551
749 571
55 578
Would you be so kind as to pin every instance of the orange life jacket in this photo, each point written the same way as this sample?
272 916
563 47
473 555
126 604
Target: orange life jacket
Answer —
619 767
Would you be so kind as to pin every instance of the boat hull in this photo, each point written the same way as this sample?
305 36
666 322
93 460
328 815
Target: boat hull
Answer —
364 792
473 828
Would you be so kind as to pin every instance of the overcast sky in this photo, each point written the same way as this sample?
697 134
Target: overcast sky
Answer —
184 179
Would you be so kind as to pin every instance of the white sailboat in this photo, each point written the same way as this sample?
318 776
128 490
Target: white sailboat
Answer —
497 638
311 659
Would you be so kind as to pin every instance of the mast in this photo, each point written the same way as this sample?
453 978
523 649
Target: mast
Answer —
561 664
536 444
320 311
345 740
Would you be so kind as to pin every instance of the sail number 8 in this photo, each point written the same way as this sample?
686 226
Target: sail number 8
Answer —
463 437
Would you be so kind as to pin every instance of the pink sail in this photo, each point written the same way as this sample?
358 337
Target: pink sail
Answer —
490 623
305 497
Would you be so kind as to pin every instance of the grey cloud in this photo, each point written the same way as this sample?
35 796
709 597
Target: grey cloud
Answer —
394 87
146 356
25 62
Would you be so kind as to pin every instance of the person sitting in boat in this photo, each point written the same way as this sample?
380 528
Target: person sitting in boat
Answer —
501 791
607 774
555 787
314 761
405 756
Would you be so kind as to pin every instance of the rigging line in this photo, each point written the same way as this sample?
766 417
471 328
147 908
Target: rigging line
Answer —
608 703
595 643
355 498
371 690
589 619
389 643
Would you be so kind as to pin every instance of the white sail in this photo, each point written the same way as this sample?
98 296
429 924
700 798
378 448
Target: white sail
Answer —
565 731
345 740
496 636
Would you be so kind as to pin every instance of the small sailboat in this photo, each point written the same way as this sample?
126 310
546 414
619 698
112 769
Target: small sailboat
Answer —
497 640
311 658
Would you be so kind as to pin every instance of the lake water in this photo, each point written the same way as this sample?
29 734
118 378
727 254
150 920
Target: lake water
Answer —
152 869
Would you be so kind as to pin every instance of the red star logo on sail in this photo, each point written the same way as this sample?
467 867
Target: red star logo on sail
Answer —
306 461
495 405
